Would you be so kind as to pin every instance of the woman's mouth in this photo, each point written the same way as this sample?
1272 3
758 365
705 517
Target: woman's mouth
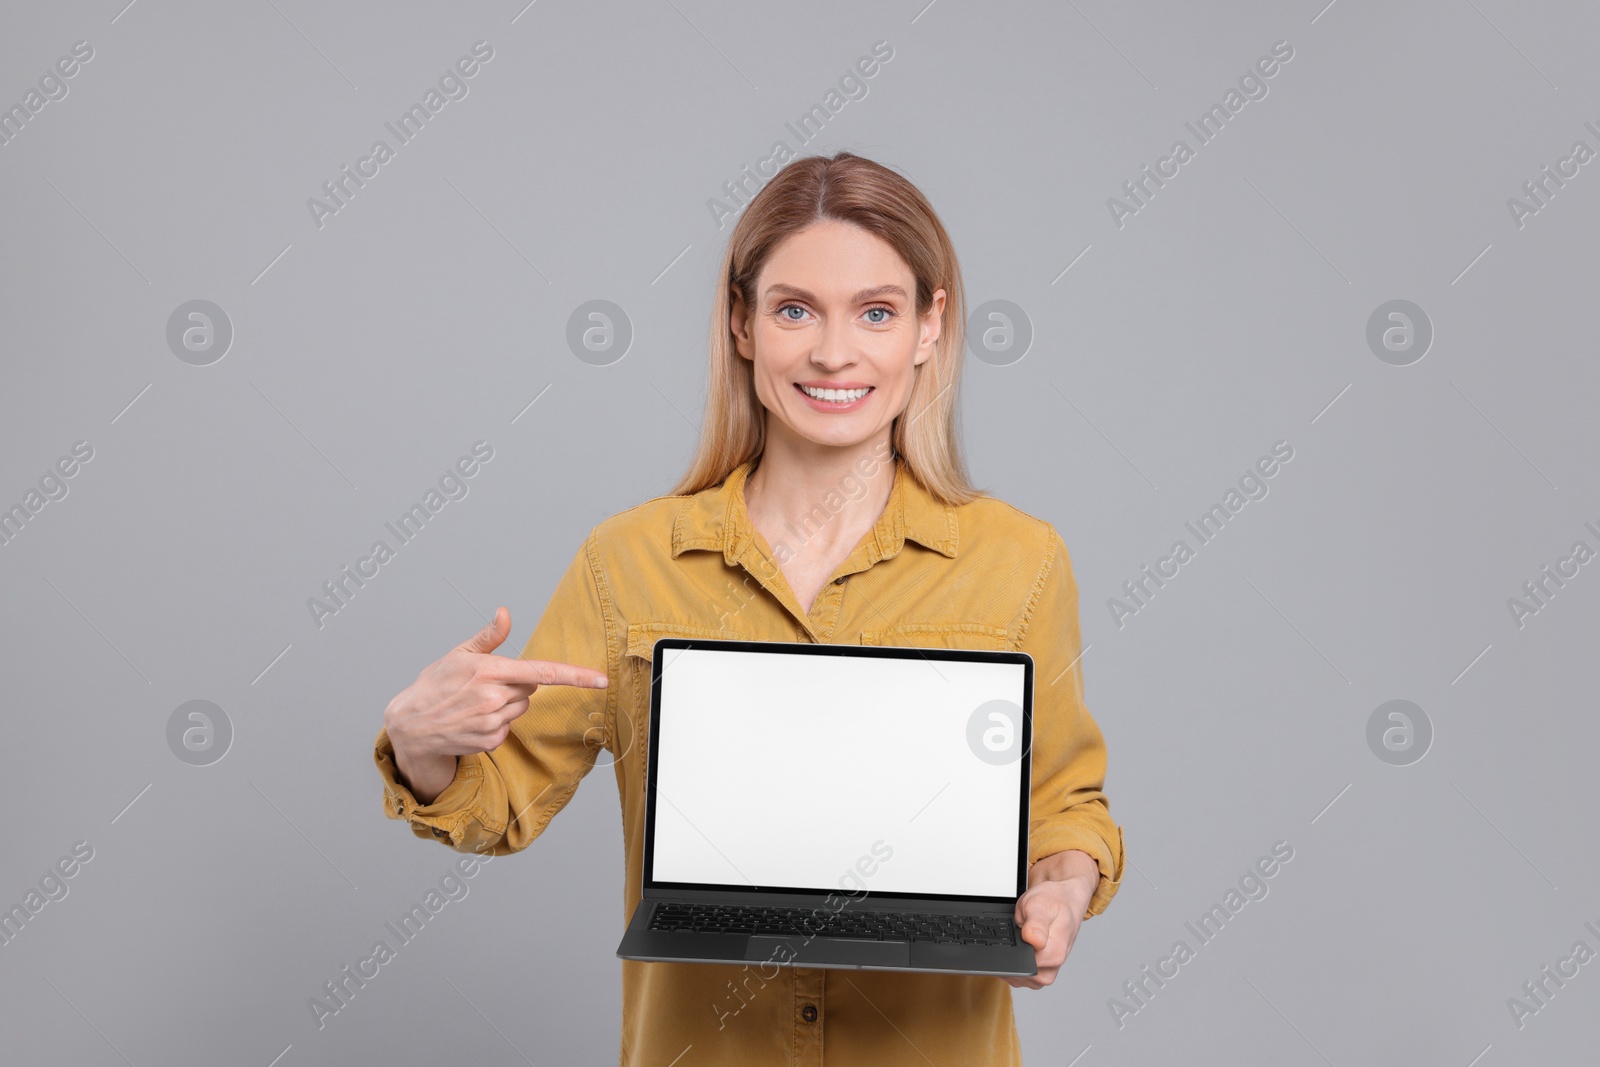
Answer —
834 399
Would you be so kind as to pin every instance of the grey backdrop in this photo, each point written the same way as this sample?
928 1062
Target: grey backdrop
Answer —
1170 349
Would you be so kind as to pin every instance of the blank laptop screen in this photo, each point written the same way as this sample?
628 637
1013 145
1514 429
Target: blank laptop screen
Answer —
834 772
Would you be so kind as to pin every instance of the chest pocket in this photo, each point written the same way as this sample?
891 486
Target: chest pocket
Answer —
941 635
633 718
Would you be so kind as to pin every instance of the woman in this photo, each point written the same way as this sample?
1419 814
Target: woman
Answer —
827 502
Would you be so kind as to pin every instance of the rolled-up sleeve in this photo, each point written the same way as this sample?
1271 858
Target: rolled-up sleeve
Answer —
1069 808
500 800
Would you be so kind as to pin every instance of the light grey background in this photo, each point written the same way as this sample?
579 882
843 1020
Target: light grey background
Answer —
370 354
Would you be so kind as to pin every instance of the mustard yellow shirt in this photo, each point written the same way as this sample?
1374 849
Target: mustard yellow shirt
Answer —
981 575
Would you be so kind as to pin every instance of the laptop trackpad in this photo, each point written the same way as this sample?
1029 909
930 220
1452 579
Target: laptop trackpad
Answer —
801 953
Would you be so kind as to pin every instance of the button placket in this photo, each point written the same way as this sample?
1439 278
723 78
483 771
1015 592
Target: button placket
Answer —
808 986
825 609
760 567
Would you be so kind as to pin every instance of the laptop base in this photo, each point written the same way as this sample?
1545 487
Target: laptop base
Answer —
657 946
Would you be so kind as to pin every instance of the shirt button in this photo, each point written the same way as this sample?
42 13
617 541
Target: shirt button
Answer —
809 1013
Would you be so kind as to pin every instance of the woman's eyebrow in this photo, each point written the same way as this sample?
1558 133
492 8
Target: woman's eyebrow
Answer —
780 289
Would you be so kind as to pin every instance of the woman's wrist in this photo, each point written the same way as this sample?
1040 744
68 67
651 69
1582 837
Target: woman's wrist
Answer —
426 777
1074 867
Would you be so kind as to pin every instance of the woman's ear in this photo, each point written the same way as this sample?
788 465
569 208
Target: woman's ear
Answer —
739 324
932 325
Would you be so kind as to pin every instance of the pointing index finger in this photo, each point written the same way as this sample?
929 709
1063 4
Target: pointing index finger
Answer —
550 672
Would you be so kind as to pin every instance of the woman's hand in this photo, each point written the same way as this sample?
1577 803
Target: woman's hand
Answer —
1049 913
465 702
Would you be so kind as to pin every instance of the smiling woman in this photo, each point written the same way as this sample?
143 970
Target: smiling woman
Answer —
848 267
829 497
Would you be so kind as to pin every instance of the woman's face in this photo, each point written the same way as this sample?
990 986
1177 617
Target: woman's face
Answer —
835 309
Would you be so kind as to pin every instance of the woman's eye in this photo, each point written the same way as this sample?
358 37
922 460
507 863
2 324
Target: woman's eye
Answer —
886 312
790 307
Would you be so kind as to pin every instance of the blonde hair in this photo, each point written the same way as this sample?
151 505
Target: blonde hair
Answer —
856 190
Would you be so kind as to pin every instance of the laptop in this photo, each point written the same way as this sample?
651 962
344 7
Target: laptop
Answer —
838 806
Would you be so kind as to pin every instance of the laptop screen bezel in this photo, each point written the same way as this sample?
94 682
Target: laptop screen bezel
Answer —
1025 777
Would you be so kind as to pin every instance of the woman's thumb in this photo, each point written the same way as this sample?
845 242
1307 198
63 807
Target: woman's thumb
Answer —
489 638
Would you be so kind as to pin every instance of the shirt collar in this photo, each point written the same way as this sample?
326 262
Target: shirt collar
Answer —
716 519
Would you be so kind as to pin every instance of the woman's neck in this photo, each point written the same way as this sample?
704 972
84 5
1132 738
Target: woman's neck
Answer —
832 496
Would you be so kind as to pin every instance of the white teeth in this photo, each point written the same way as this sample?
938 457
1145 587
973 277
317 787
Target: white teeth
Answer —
844 395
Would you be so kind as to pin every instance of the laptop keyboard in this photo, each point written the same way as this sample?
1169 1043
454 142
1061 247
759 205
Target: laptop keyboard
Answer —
849 923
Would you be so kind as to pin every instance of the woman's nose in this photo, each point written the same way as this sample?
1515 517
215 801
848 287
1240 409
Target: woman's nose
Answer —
834 349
